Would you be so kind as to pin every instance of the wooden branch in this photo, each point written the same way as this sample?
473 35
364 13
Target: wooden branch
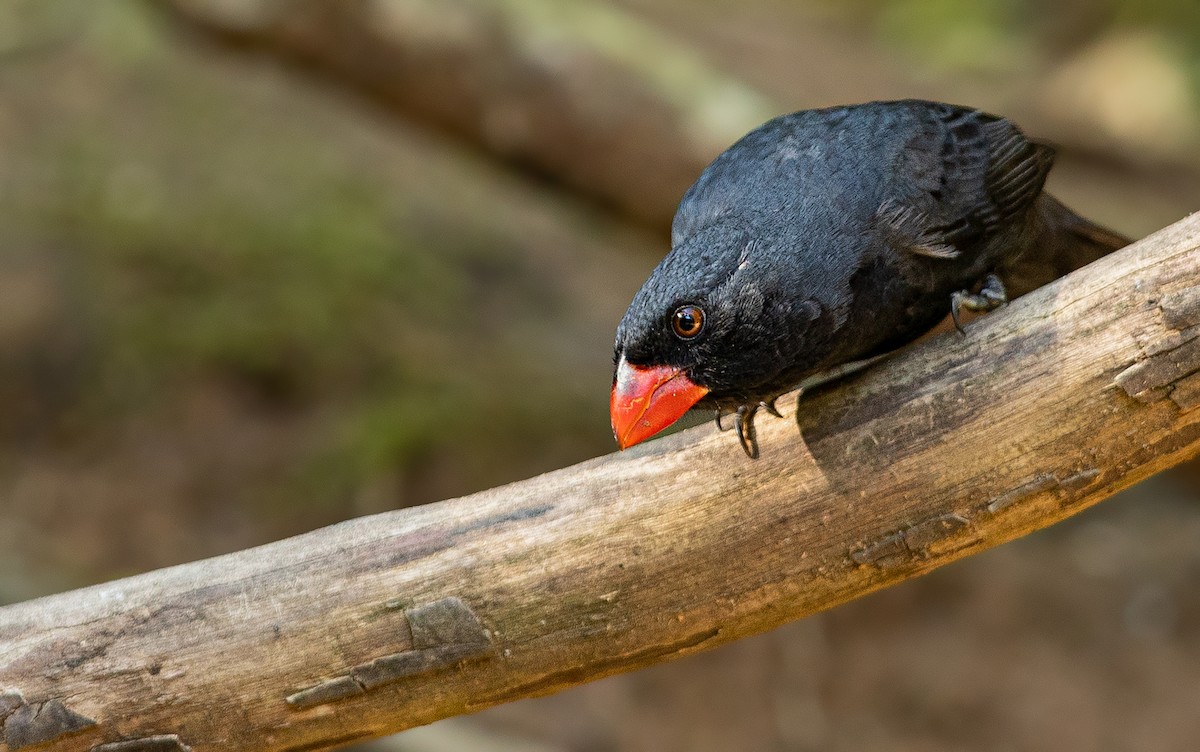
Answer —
579 92
379 624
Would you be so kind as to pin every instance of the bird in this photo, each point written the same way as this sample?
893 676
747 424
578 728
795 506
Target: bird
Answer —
827 237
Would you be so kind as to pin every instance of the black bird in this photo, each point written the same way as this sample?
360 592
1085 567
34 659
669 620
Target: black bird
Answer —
830 236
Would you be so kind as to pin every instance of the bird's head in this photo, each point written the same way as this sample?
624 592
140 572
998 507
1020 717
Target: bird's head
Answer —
714 325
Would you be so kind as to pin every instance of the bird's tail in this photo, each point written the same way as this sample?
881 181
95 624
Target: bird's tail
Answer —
1065 242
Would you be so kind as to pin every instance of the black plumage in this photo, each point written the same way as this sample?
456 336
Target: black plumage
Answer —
829 236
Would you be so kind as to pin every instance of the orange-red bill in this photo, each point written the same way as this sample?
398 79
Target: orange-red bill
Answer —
647 399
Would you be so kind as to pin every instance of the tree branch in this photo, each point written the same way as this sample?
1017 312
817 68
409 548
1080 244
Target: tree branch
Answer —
379 624
578 92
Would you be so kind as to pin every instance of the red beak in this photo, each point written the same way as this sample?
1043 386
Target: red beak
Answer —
647 399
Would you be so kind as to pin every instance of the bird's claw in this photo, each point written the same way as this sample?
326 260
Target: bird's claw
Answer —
744 423
769 406
990 297
745 430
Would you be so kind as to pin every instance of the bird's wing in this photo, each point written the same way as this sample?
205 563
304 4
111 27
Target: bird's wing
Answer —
970 174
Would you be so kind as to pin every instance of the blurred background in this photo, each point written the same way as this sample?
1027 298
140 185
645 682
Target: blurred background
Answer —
266 265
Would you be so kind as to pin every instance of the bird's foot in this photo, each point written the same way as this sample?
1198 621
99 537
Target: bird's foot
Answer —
990 297
745 430
744 423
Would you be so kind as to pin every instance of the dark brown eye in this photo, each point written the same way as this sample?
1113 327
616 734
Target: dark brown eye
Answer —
687 321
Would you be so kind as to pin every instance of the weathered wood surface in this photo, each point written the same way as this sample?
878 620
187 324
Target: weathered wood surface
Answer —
383 623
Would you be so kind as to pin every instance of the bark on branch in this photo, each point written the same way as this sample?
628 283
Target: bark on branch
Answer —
379 624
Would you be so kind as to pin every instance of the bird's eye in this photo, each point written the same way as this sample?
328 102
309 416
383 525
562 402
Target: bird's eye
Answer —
687 321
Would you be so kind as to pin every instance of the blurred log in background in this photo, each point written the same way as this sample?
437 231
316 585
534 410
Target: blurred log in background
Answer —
267 265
